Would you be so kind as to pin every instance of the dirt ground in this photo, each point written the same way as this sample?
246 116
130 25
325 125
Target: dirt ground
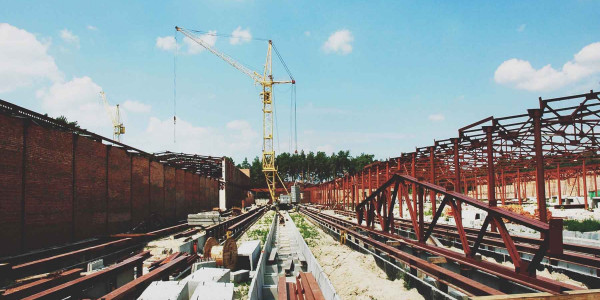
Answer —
355 275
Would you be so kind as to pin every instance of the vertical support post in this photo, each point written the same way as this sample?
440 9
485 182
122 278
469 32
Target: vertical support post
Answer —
595 182
584 177
491 190
414 174
457 186
503 188
421 199
432 177
558 184
370 181
399 199
536 115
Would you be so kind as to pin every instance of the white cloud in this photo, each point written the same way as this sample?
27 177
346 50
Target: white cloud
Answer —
339 42
520 74
240 36
209 38
78 100
166 43
24 59
521 28
436 117
307 33
136 106
92 28
68 36
236 139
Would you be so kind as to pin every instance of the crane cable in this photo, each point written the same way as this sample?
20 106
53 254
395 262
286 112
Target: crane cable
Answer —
175 88
294 130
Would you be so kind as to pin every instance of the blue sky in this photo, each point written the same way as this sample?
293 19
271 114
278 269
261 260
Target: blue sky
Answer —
379 77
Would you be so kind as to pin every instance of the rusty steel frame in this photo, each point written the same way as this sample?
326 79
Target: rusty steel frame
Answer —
489 160
75 287
574 253
505 273
469 286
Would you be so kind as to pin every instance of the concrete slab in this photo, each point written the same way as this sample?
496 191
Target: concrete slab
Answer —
213 291
239 276
204 264
168 290
248 254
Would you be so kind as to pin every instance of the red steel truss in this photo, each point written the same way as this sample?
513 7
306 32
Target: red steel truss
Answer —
528 157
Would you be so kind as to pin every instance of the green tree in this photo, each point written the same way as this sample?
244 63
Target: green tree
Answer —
245 164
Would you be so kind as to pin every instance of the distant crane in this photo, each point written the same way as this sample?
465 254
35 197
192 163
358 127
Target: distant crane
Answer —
266 81
115 117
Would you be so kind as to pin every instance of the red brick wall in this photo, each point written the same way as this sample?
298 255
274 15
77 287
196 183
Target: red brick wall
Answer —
119 190
189 192
180 203
196 196
169 193
78 188
140 189
48 187
90 188
205 205
11 178
157 184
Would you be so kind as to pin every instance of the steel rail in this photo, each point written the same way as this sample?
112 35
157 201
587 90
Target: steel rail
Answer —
537 283
74 287
469 286
578 254
135 287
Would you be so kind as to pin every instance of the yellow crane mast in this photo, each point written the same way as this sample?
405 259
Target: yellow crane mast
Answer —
115 117
266 81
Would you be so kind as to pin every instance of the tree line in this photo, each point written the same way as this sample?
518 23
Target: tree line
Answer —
308 167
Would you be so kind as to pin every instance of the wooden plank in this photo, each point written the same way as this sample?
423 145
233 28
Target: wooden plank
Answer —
282 289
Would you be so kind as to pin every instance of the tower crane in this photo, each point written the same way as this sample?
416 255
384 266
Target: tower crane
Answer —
115 117
265 79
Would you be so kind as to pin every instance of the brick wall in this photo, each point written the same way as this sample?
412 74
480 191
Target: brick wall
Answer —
157 184
119 190
77 188
48 187
11 177
90 188
140 189
170 203
180 204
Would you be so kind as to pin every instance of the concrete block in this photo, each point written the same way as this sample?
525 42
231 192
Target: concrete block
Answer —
239 276
213 291
204 264
209 274
248 254
95 265
203 275
168 290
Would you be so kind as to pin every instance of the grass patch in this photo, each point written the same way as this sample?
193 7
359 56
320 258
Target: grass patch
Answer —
262 232
582 226
241 290
309 233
